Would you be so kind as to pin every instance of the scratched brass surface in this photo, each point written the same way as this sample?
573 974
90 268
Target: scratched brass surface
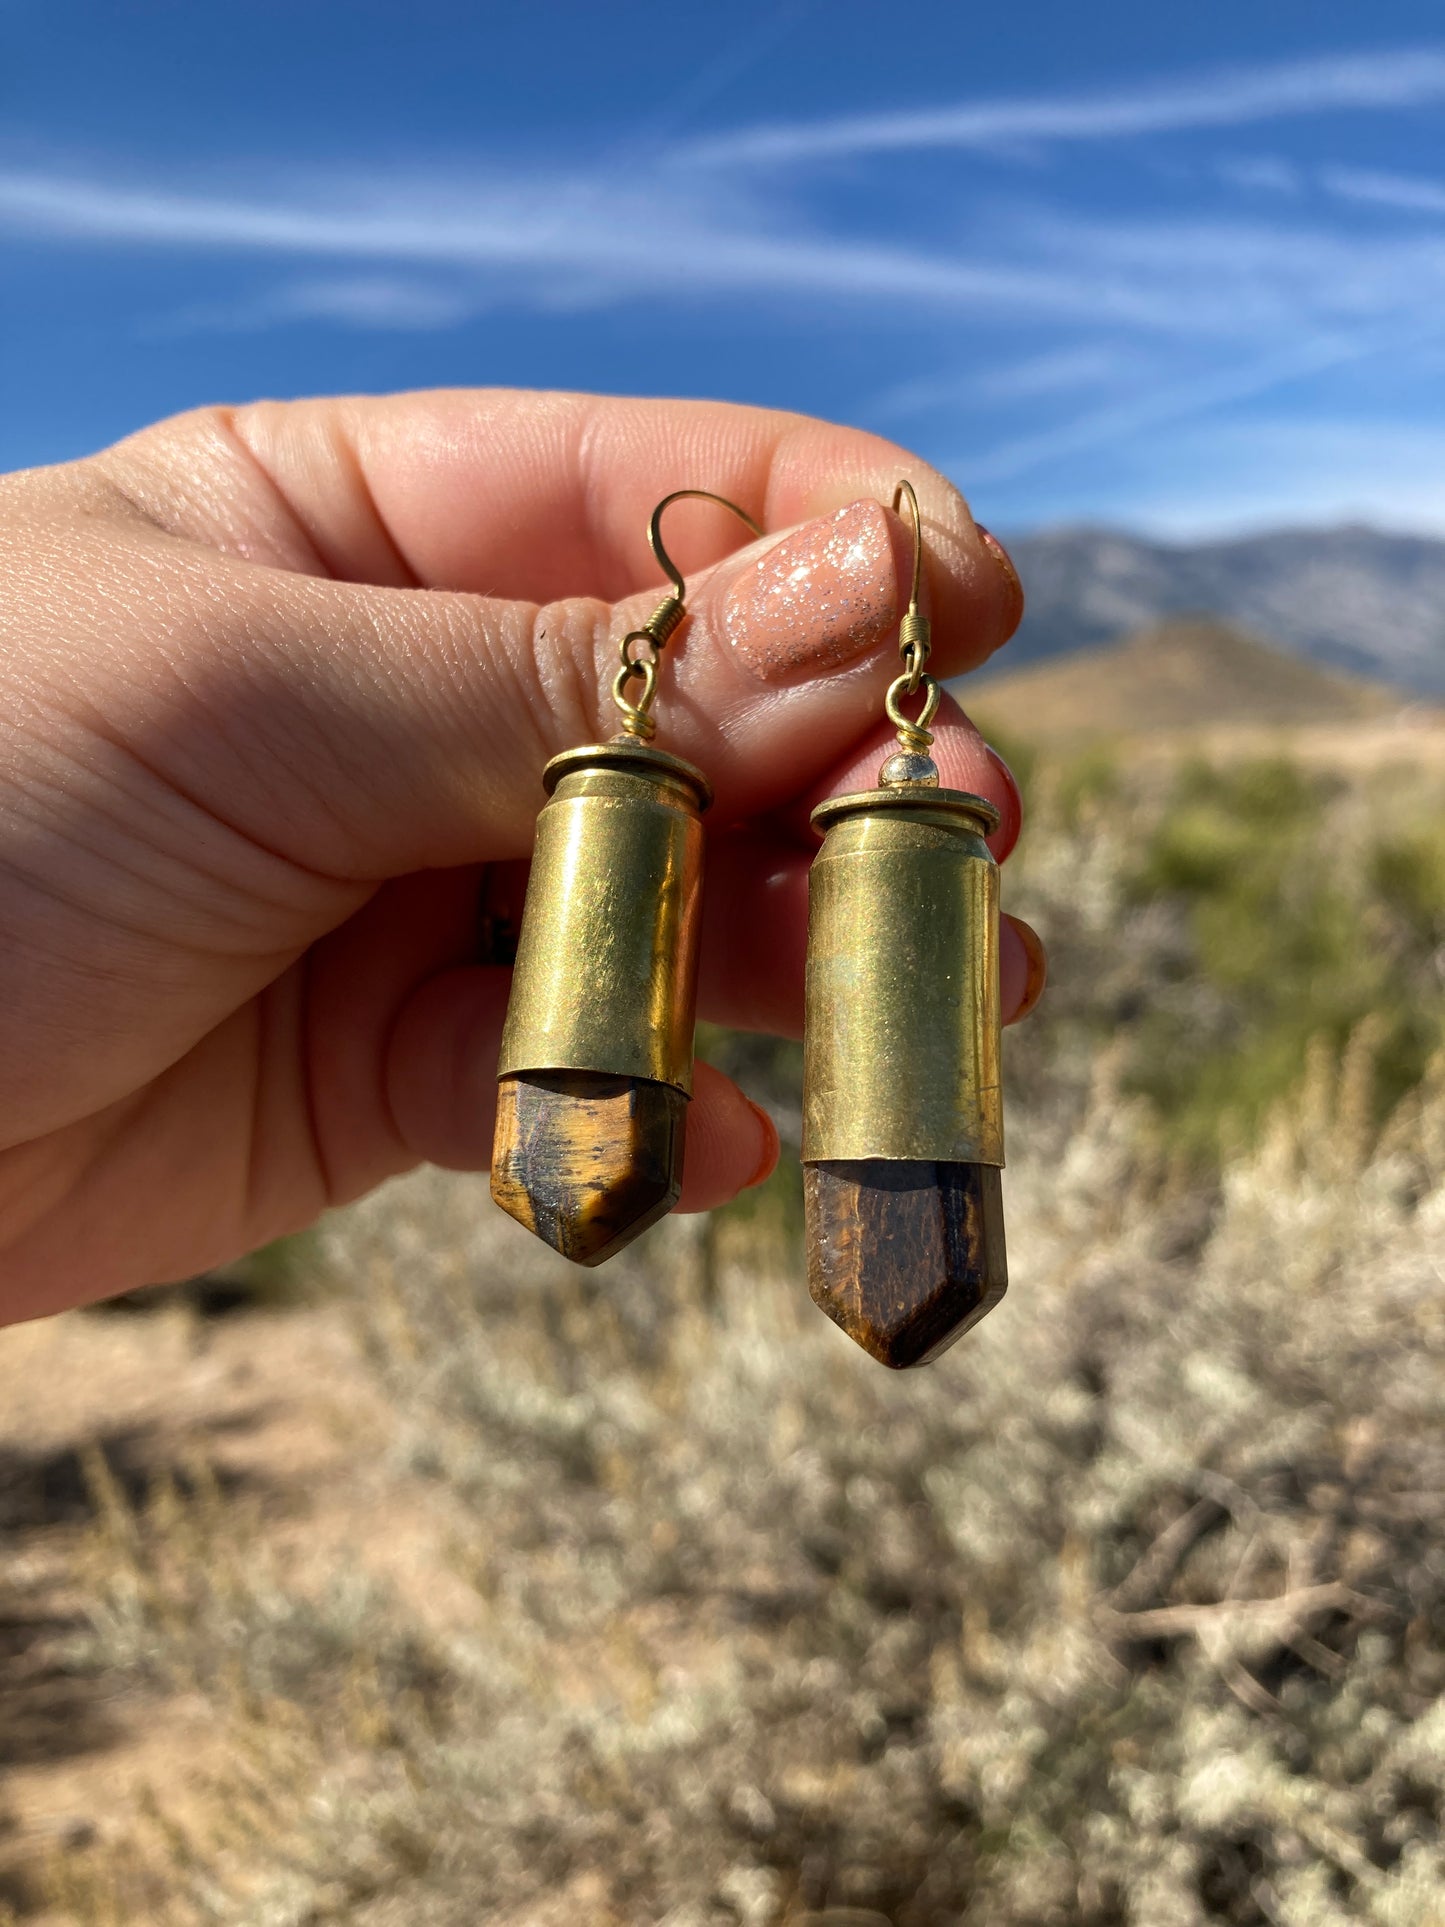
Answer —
901 1058
606 971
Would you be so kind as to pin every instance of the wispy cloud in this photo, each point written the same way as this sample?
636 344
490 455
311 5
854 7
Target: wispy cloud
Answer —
1201 394
389 303
1233 97
1262 174
1088 329
532 241
1056 372
1410 192
525 242
1266 280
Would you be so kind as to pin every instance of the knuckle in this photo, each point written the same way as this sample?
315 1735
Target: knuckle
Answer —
569 663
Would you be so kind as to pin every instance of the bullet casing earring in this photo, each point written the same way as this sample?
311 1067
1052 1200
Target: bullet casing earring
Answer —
902 1097
595 1070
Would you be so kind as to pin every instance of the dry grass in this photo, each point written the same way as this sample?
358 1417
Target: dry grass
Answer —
641 1597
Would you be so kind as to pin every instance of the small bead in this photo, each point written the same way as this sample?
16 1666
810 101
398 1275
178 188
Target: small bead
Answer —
906 767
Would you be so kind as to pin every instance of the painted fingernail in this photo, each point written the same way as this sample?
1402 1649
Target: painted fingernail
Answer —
1011 812
1038 964
772 1144
817 599
1011 575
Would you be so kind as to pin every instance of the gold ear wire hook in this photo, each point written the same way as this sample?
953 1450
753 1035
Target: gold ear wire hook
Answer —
664 620
654 529
915 640
904 492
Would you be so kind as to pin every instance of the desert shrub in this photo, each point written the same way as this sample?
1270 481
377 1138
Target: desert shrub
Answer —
1085 786
1300 924
1128 1613
182 1592
1409 875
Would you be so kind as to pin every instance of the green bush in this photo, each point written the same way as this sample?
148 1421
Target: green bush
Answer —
1296 932
1086 784
1408 872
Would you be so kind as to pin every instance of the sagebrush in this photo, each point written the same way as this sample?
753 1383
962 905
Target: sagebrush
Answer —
1128 1611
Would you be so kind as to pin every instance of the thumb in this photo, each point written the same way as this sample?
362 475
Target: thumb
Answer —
363 732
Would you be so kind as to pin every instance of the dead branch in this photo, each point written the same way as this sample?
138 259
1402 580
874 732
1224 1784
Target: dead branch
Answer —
1154 1569
1284 1614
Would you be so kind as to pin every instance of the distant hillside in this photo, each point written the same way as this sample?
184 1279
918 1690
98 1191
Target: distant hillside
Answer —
1350 597
1179 675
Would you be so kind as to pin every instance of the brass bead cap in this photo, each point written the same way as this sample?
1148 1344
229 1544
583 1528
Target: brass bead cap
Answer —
922 801
629 757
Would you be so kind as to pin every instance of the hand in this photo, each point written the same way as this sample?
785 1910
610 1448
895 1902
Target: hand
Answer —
278 680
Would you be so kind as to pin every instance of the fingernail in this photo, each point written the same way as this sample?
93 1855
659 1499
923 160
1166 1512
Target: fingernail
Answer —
1038 966
772 1144
1012 813
817 599
1011 575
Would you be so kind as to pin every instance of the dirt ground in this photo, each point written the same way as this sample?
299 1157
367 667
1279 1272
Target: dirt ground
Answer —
280 1405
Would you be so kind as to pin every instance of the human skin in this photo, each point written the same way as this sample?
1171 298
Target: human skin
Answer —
277 684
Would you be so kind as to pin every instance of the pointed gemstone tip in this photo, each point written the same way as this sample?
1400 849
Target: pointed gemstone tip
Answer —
587 1160
904 1255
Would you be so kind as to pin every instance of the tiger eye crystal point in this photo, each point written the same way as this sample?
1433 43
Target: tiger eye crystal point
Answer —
587 1160
904 1254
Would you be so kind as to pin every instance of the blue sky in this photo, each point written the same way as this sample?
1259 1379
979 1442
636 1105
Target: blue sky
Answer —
1177 268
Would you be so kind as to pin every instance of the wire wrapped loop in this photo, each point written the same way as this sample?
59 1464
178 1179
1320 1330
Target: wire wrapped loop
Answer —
639 652
915 736
635 717
913 662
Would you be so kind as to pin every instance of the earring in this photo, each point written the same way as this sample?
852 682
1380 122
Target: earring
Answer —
595 1069
902 1101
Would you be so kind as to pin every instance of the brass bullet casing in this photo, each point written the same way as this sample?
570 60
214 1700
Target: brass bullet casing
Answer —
902 1092
606 972
903 1038
596 1059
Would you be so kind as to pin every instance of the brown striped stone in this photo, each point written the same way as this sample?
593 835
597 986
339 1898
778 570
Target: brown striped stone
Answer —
587 1160
905 1255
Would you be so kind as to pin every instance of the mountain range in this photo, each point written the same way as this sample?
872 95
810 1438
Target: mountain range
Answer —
1350 598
